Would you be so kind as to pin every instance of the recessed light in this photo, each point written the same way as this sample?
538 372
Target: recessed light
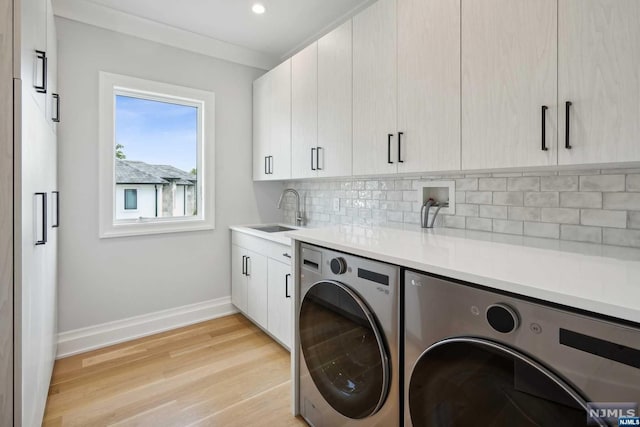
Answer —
258 9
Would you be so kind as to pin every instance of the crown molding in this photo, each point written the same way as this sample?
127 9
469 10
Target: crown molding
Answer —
115 20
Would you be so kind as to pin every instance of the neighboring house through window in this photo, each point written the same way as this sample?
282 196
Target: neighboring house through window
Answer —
156 157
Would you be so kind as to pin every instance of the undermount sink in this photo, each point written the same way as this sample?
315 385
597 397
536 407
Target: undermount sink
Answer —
272 228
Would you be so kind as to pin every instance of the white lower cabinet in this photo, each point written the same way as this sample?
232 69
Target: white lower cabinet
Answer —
279 285
262 284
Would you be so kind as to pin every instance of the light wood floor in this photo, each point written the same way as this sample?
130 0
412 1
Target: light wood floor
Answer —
224 372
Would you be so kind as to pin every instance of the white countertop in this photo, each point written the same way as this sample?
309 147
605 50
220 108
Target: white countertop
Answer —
278 237
597 278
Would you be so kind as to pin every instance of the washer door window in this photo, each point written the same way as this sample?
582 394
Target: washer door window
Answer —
475 382
343 350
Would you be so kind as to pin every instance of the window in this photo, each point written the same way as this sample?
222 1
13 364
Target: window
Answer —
130 199
156 157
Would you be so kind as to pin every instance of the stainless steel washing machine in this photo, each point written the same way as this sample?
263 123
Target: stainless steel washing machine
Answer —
475 357
349 337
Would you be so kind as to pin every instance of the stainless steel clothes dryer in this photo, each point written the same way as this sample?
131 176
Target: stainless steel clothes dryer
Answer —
349 337
475 357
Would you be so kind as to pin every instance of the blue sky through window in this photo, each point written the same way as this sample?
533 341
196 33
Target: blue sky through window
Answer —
157 132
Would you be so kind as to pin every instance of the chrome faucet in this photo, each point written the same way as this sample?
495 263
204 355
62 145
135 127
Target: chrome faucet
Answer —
295 193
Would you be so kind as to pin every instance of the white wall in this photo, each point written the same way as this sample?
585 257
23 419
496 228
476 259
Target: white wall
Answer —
103 280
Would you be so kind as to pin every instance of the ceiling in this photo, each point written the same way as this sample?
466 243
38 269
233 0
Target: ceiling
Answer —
287 25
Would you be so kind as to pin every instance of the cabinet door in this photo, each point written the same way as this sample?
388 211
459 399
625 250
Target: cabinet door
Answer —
509 71
238 279
335 91
599 73
280 290
280 121
33 37
257 288
374 89
429 84
52 69
304 112
261 132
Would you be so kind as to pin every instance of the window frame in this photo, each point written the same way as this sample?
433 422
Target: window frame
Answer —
111 85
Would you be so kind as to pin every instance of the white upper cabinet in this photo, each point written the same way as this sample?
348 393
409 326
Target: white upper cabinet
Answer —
304 113
429 85
509 72
599 73
374 90
272 124
335 77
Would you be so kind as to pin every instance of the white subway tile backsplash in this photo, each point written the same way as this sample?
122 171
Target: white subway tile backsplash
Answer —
508 198
628 201
492 184
603 218
581 200
602 183
561 215
586 206
523 184
489 211
478 197
507 226
541 229
581 233
559 183
541 199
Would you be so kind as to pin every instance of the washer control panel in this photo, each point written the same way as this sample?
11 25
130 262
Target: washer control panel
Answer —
338 265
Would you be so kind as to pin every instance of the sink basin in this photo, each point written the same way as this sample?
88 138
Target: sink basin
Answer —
272 228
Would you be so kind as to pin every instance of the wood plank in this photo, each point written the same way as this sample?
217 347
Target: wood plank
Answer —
6 212
221 372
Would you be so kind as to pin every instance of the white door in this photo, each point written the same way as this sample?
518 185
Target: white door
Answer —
34 38
599 73
304 113
238 278
279 301
335 91
261 132
256 272
429 85
280 122
374 90
509 72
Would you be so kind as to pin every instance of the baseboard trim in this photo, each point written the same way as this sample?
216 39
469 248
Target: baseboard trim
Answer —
98 336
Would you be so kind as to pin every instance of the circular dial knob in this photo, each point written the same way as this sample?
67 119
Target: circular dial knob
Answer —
338 265
502 318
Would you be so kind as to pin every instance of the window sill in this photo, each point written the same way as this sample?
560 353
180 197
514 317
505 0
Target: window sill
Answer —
142 228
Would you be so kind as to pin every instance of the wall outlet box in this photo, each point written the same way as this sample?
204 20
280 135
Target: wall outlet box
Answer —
441 192
336 205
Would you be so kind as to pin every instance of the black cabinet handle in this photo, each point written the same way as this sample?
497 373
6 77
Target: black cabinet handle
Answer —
389 136
286 286
544 128
42 56
313 151
244 267
567 107
44 219
56 118
318 158
400 147
266 171
56 199
286 255
270 165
